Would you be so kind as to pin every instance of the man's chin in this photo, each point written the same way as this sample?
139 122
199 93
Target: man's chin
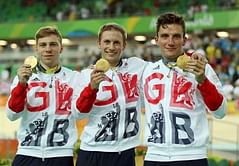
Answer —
49 63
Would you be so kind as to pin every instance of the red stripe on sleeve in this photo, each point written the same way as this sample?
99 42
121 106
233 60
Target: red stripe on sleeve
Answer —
212 98
18 97
86 100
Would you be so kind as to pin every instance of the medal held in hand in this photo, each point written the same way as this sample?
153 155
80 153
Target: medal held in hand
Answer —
182 61
102 64
32 61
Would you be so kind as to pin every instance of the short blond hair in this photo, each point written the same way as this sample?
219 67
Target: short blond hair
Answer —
110 27
46 31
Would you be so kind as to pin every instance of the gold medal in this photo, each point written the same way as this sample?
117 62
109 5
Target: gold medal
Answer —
31 60
102 64
182 61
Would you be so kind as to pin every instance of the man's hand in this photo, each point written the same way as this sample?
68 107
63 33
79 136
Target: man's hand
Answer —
96 77
196 65
24 73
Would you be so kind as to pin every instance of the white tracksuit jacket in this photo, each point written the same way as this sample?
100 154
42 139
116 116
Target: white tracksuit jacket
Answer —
176 125
114 119
47 127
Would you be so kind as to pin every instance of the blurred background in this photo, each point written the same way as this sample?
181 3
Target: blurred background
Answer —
212 29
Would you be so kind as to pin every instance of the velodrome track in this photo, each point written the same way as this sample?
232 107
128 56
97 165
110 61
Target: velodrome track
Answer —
225 136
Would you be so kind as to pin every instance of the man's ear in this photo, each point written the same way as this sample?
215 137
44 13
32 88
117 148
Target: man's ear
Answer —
98 44
35 48
124 45
156 38
61 49
184 40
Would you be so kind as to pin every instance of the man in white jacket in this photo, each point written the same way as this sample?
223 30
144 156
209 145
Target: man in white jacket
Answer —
113 102
177 100
41 96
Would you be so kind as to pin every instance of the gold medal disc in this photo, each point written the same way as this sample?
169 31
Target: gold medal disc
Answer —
182 61
31 60
102 64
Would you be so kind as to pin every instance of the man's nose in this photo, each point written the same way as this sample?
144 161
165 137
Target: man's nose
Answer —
48 48
171 40
111 46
